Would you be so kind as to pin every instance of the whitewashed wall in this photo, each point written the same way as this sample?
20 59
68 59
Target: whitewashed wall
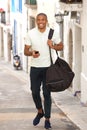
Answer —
79 34
48 7
84 55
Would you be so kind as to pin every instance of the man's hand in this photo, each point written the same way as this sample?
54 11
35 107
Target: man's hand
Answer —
50 43
35 54
57 47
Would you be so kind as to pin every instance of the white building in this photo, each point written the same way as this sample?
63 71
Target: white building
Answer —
75 29
5 37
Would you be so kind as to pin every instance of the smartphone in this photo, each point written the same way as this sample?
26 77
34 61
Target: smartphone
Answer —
36 52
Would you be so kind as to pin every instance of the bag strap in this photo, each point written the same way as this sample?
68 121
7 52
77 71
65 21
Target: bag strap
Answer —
50 37
51 56
51 31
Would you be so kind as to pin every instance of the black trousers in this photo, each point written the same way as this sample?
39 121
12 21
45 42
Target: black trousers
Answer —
38 79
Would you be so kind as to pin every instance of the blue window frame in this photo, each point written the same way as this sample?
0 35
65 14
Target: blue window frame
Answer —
13 5
15 38
16 6
20 6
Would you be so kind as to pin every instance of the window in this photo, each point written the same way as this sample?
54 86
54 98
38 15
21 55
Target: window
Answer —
16 5
20 6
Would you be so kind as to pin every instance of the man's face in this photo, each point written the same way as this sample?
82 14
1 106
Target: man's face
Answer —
41 21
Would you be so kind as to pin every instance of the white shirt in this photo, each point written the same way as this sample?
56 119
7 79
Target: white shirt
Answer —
38 42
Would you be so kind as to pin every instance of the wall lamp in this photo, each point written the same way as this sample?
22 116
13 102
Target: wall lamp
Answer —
64 14
59 16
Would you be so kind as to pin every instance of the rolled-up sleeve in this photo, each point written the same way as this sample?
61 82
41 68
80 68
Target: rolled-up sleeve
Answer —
28 39
56 37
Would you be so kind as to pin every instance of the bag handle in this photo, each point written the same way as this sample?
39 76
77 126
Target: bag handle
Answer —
51 31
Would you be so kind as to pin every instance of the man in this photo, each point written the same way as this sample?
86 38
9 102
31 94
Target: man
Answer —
37 46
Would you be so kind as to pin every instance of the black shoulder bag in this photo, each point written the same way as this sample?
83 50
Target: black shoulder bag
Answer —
59 75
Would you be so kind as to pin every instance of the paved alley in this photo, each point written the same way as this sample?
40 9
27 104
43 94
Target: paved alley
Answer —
17 109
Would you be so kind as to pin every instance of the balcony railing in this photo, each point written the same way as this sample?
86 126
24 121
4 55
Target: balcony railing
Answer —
71 1
31 3
71 5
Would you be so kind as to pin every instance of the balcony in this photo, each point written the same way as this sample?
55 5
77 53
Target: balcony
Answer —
71 5
71 1
31 4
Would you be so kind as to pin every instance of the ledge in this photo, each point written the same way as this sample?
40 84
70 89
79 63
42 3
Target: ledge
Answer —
31 6
70 7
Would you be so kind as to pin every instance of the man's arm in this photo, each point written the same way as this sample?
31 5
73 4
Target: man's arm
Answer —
33 53
27 51
57 47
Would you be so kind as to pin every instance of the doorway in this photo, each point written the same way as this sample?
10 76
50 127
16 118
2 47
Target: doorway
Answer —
78 59
1 43
70 48
9 46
